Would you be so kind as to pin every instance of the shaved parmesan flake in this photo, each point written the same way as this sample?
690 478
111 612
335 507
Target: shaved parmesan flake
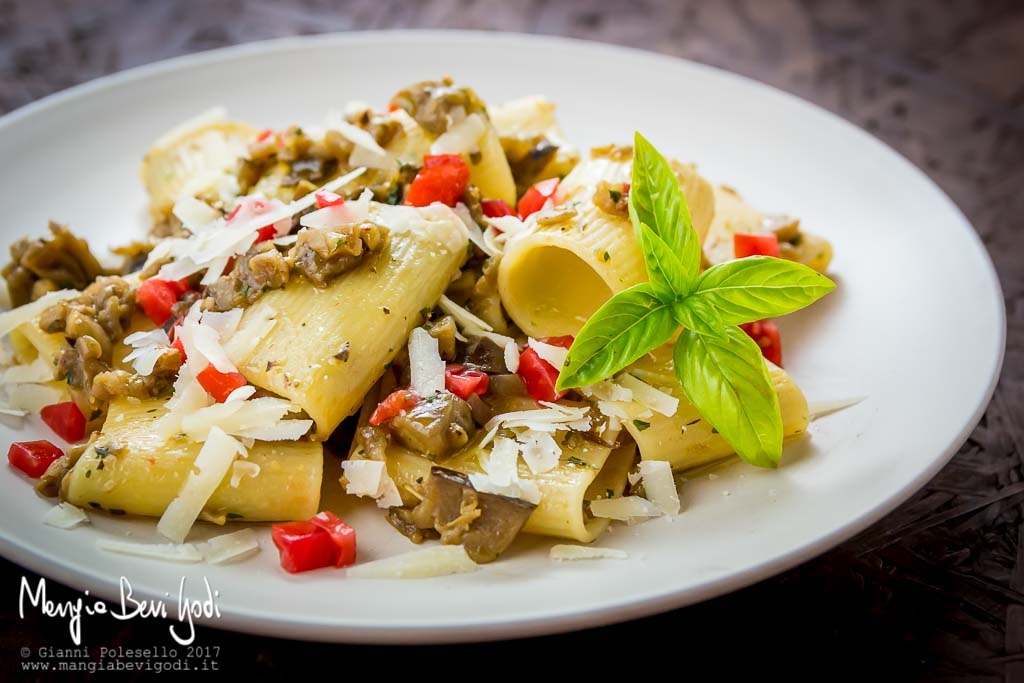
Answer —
193 213
241 393
554 355
522 489
241 469
461 316
462 138
223 323
253 329
370 478
389 497
613 409
38 370
207 472
550 415
228 547
187 400
23 314
203 341
502 465
660 485
624 509
425 363
65 516
241 418
34 397
511 357
441 560
473 231
540 451
285 430
607 391
646 395
13 412
169 552
367 152
508 225
144 359
818 409
564 553
157 337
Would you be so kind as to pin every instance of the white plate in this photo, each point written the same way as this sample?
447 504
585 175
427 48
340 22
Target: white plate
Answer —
916 325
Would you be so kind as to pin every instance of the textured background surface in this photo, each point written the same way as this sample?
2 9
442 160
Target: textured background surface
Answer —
933 592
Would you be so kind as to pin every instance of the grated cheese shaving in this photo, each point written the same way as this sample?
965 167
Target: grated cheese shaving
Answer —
230 547
441 560
207 472
626 508
462 138
564 553
370 478
553 355
425 363
461 316
65 516
540 451
241 469
660 485
646 395
169 552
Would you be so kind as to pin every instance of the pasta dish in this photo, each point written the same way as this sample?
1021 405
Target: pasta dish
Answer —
442 306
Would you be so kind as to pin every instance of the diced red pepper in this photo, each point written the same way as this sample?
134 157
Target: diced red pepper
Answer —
303 546
393 107
533 199
540 376
342 535
65 419
464 382
443 178
396 403
177 344
264 134
219 384
156 297
33 457
767 336
325 198
748 244
496 208
265 233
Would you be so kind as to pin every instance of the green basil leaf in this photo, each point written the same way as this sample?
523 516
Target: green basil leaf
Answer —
626 327
760 287
699 315
728 382
655 199
663 266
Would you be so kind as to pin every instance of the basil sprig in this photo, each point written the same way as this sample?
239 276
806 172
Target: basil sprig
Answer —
719 367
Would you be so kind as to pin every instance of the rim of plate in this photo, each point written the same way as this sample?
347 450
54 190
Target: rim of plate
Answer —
611 610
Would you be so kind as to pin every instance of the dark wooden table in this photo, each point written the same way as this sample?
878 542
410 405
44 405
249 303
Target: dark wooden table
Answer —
935 591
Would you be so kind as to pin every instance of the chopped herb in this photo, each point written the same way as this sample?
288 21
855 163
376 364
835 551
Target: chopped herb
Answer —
387 311
573 460
714 431
615 195
99 466
606 256
270 364
641 425
152 410
102 451
343 354
88 473
609 493
425 312
233 515
692 422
